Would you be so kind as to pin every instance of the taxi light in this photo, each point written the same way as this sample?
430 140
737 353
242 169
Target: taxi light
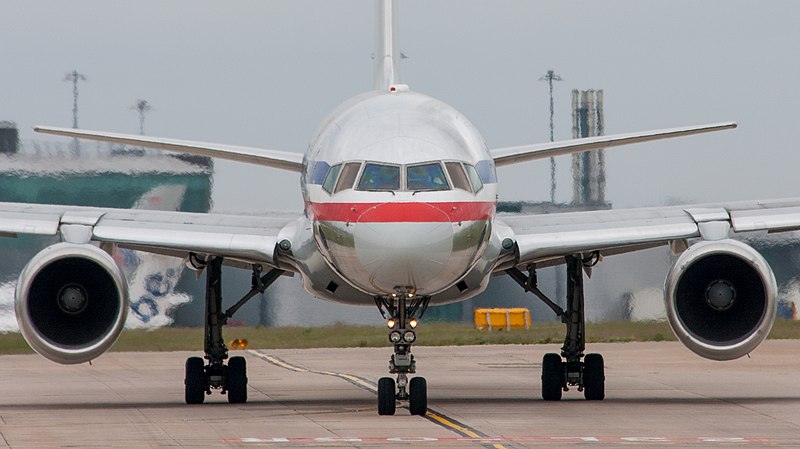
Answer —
390 324
395 337
413 324
409 336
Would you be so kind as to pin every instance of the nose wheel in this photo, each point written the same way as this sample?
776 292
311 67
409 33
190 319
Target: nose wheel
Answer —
387 396
403 311
417 396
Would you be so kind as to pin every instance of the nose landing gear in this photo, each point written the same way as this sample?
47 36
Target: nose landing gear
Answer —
402 311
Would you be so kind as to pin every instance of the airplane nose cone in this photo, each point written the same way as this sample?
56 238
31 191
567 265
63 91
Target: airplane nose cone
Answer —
403 251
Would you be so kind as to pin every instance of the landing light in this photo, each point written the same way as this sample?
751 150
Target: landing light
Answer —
409 336
390 324
413 324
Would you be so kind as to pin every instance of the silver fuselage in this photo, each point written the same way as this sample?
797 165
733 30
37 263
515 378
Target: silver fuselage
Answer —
369 243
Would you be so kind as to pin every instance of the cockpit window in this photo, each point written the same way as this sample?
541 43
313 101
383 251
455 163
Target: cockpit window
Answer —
380 177
426 177
348 177
474 178
331 177
458 176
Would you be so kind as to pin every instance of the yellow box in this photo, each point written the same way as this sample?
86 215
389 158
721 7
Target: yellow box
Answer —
497 318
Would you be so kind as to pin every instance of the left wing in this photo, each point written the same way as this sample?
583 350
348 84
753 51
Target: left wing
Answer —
545 239
246 239
271 158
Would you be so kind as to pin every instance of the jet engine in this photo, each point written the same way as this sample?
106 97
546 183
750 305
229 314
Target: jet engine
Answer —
71 302
721 299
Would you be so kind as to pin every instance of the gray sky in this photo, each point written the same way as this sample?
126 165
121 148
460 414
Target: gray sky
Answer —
265 73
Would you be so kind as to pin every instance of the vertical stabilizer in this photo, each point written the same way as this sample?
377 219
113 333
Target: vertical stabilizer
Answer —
387 55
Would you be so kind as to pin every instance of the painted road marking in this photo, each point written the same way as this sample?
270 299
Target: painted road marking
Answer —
433 415
521 439
467 434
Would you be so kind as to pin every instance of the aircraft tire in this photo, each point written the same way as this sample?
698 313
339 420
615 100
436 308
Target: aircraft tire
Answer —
552 377
418 396
593 377
236 380
386 396
195 383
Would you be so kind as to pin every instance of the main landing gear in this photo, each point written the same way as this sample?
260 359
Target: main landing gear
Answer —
231 379
559 372
402 311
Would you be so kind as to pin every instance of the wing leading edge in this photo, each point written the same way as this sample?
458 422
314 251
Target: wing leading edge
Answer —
545 239
524 153
271 158
243 238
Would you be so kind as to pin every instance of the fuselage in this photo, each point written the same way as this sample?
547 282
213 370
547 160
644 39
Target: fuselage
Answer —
400 194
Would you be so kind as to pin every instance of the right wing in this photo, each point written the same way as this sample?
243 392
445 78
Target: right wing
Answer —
545 239
524 153
245 239
271 158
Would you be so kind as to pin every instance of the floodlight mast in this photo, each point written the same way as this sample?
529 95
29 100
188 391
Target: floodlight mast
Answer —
550 76
143 107
74 77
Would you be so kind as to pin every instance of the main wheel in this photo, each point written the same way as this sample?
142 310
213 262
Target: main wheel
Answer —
196 382
593 377
418 396
386 396
236 380
552 377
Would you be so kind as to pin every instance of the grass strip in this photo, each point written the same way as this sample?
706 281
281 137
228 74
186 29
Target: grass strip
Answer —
348 336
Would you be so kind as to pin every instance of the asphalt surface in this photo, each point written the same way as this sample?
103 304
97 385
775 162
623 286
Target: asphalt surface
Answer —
657 394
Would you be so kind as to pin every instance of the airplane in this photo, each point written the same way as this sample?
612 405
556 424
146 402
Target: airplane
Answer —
400 194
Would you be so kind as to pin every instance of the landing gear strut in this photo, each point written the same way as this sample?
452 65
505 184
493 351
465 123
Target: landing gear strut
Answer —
402 310
559 372
231 379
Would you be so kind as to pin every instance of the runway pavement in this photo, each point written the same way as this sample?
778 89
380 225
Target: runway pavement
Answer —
657 394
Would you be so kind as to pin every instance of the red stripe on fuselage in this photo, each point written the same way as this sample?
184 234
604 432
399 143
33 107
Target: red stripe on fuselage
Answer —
402 212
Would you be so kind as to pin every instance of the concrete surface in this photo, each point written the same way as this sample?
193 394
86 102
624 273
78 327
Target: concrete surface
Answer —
657 394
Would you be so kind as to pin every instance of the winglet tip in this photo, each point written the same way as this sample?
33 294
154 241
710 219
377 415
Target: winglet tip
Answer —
45 129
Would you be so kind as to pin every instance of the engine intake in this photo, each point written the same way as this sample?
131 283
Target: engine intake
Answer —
71 302
721 299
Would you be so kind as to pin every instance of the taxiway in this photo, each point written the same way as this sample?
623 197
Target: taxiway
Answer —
487 396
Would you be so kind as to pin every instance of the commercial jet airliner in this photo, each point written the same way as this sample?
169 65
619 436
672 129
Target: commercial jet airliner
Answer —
400 192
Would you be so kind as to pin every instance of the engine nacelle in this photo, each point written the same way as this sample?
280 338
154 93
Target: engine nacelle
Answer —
71 302
721 299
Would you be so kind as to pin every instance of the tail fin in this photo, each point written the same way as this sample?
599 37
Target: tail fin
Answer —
387 55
